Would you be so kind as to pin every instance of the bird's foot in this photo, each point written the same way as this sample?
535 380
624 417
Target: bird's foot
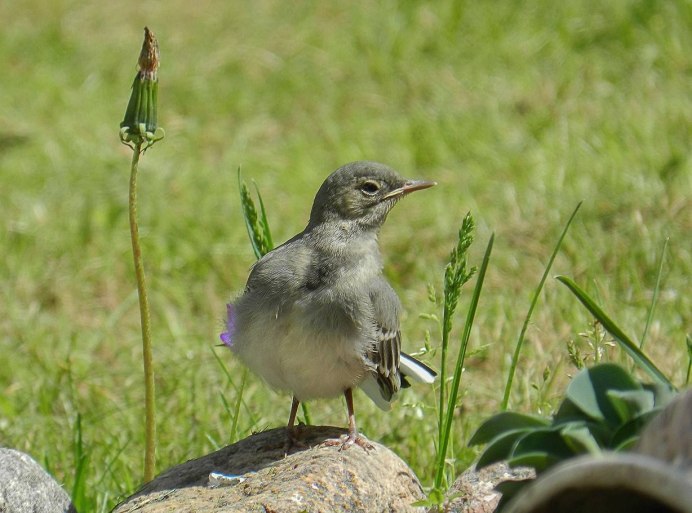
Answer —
294 439
350 439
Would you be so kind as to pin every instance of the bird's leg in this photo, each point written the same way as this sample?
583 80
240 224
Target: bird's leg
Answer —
294 412
353 437
291 429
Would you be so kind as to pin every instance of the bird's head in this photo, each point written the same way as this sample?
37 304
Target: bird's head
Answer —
361 192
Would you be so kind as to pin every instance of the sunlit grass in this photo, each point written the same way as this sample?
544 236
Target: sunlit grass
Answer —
518 111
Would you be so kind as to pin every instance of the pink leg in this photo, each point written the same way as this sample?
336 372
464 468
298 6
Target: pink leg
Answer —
294 411
292 430
353 436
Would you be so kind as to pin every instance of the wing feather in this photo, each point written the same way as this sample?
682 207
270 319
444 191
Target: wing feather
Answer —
385 353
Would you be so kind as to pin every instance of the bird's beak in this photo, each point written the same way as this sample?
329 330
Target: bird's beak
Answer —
410 186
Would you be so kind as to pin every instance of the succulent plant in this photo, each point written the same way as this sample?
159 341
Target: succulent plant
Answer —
604 409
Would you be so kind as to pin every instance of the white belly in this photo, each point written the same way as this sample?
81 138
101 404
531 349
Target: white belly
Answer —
297 357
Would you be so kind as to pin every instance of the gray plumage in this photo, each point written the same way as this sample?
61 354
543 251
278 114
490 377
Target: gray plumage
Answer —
317 317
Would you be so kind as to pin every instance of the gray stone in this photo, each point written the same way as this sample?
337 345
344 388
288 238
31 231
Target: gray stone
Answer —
26 488
608 483
474 490
314 478
668 437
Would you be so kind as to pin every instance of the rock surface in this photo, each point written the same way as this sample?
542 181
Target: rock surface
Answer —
668 437
474 490
315 478
26 488
611 483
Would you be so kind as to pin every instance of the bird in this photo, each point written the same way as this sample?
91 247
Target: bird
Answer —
317 317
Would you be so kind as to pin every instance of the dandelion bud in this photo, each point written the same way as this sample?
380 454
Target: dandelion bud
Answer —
139 125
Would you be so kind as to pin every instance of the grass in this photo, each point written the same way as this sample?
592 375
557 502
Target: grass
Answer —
518 111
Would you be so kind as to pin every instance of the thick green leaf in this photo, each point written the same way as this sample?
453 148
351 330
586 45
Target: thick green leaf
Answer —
542 440
632 428
580 439
569 412
630 403
500 448
625 342
503 422
601 432
509 489
540 461
588 391
627 444
662 393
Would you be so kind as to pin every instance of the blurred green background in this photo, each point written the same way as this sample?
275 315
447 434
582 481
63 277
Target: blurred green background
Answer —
518 109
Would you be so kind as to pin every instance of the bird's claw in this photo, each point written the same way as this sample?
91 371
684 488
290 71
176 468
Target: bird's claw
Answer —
294 440
347 441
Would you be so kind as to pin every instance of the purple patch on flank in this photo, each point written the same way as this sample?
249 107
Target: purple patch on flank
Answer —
227 336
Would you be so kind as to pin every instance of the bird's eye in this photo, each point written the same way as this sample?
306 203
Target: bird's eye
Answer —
370 187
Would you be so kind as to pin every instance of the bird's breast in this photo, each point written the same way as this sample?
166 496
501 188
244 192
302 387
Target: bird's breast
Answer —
310 350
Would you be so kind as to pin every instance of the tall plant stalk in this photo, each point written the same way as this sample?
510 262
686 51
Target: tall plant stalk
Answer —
456 275
145 318
139 131
453 393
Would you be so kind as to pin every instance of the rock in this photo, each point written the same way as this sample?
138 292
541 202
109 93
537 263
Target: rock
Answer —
26 488
611 483
315 478
474 490
668 436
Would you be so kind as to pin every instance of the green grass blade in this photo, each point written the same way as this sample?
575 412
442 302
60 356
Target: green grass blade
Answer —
229 411
454 390
249 216
79 489
238 390
108 471
654 299
534 300
306 413
456 275
625 342
264 224
236 406
688 341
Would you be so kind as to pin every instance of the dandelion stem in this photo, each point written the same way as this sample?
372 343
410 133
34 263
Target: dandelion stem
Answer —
149 411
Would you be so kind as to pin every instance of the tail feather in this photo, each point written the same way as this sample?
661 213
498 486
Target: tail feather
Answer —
409 368
416 370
